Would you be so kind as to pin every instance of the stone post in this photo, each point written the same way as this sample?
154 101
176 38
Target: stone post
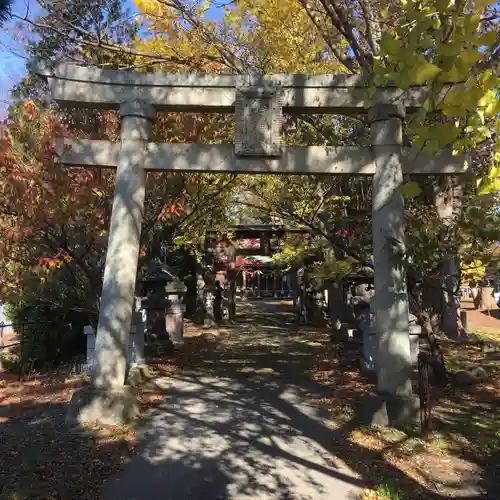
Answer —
175 313
89 333
200 298
118 287
136 342
209 320
112 401
395 405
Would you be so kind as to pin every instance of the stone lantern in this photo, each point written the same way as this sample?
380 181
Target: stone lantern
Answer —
163 302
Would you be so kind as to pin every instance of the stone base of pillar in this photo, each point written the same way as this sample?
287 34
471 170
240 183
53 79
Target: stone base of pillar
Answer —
401 412
90 405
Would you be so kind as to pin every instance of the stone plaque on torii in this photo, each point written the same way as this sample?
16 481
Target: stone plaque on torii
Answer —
259 102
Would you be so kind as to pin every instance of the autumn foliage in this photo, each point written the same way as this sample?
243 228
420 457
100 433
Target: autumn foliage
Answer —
54 219
44 203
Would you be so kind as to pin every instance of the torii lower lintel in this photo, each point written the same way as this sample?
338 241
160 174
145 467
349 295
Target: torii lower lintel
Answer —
221 158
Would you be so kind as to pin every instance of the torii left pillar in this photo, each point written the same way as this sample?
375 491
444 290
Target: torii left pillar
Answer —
110 401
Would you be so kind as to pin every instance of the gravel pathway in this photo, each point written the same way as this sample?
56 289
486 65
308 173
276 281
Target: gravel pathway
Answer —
243 426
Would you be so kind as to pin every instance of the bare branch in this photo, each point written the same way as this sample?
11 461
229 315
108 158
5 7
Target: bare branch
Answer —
87 40
373 32
196 209
227 55
322 201
326 34
339 19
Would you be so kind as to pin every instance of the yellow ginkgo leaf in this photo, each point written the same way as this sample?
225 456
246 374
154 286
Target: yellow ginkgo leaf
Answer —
423 71
411 190
390 44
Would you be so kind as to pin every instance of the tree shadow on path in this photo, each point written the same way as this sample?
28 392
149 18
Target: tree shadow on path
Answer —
243 423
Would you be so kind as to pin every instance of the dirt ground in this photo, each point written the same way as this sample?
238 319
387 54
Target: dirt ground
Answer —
43 458
481 321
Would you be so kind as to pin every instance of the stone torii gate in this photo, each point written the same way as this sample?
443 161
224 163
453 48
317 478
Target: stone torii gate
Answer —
258 103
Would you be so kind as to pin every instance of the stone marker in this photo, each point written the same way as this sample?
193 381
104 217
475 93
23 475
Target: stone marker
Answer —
175 292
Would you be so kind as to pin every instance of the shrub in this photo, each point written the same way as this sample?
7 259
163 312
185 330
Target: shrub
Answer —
51 336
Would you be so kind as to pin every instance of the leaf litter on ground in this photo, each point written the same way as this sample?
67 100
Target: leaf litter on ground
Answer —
42 457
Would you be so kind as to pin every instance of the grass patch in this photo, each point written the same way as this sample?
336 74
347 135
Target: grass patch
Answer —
480 336
383 491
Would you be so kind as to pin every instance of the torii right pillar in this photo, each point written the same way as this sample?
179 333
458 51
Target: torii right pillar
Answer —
393 403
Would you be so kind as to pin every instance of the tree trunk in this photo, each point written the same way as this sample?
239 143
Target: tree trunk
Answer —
191 298
448 203
450 272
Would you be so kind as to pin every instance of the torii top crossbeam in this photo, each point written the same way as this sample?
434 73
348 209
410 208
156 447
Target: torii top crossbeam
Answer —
76 86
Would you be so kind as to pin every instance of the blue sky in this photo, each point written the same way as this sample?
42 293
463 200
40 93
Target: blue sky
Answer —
12 44
12 52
